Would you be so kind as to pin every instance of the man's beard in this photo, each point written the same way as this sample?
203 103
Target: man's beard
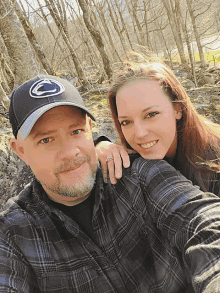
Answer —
84 183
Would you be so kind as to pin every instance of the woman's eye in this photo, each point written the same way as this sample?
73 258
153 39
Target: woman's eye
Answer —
124 123
152 114
45 140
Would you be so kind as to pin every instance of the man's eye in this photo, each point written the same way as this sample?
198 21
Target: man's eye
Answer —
78 131
152 114
45 140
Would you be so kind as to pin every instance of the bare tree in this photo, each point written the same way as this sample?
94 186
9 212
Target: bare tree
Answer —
124 27
57 42
96 37
82 34
3 97
6 82
180 19
196 33
159 23
79 32
61 24
31 37
175 27
133 11
116 26
146 23
100 9
21 56
169 6
7 75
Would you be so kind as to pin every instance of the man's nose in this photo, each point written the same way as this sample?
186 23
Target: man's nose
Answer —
69 149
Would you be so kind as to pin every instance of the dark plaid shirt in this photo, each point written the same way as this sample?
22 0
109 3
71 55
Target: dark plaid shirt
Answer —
155 232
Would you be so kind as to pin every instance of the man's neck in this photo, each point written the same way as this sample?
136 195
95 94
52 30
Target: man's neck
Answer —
71 202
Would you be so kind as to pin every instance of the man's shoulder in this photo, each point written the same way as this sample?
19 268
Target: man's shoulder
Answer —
145 171
17 205
141 166
20 212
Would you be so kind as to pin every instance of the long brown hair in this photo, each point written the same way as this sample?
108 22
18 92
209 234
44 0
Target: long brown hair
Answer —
196 134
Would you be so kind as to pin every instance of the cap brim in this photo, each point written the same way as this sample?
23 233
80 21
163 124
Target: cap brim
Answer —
29 123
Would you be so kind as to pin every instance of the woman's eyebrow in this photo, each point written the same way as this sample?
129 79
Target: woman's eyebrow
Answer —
146 109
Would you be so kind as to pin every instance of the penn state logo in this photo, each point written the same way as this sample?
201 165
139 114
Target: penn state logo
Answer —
46 88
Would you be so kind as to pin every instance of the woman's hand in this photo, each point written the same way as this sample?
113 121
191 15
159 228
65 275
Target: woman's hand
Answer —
107 150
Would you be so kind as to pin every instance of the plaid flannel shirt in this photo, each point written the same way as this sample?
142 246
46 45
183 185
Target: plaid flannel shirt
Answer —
155 232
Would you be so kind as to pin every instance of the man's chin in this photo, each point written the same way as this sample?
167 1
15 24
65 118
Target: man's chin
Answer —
75 186
76 191
77 177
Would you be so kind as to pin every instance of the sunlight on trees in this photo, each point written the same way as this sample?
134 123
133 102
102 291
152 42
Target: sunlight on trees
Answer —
88 39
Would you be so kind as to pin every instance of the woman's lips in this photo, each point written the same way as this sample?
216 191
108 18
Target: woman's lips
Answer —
149 144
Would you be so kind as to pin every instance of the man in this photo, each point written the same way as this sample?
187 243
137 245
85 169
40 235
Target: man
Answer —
69 231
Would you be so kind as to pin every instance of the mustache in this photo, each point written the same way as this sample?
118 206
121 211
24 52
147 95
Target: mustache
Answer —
71 165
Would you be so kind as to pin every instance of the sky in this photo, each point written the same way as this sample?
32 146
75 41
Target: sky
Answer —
32 2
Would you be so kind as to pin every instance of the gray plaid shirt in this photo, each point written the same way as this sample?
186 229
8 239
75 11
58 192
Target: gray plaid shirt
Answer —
155 233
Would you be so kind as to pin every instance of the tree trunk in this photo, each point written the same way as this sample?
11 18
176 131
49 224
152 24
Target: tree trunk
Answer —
79 70
186 35
83 33
22 59
103 21
146 26
4 99
96 38
175 30
3 88
31 37
67 59
124 27
7 73
136 21
4 82
201 55
116 27
131 17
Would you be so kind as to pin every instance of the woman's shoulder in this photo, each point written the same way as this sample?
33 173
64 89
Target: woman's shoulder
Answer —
214 184
202 173
207 180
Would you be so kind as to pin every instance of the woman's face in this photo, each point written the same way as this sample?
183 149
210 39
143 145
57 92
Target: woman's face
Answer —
148 119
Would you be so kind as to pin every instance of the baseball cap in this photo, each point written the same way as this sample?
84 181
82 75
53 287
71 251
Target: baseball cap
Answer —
37 96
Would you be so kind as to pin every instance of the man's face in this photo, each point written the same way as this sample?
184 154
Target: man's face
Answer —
61 154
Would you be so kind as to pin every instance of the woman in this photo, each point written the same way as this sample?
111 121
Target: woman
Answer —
154 116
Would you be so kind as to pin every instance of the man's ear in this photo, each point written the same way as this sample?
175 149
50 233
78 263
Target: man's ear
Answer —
18 148
90 123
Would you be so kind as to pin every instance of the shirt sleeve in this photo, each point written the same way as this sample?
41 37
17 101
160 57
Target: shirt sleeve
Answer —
188 217
99 139
215 184
15 273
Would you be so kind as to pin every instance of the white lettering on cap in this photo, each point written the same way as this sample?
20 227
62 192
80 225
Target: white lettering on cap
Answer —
45 88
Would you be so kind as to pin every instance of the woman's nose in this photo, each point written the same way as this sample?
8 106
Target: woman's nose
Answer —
140 130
